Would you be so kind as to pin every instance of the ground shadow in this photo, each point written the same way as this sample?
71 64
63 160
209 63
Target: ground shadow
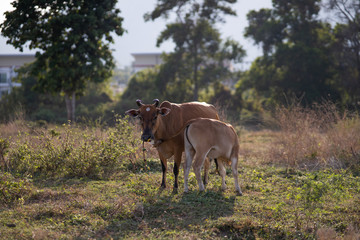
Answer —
174 212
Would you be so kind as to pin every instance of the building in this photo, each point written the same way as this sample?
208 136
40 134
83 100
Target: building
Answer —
145 60
8 64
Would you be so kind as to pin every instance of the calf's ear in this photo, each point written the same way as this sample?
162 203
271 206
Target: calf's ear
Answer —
164 111
132 113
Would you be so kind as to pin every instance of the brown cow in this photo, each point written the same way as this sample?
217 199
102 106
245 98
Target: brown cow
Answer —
214 139
162 125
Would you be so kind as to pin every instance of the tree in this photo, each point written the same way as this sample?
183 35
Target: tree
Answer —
198 57
346 47
296 48
142 83
73 38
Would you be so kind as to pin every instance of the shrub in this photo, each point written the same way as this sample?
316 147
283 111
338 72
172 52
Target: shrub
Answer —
13 191
73 151
4 145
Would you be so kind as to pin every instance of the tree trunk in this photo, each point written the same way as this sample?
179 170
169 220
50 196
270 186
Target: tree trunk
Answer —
70 106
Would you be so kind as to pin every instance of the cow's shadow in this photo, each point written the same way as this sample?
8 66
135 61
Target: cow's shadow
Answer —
191 209
176 212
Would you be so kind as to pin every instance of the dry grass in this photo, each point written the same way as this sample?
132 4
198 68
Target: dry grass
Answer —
315 138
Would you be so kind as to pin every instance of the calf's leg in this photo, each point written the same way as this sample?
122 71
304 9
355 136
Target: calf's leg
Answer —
234 165
222 172
189 156
207 164
197 164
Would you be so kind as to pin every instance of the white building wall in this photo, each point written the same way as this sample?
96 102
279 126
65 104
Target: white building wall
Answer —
8 64
145 60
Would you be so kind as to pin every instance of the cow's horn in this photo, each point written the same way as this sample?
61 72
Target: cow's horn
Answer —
139 103
156 102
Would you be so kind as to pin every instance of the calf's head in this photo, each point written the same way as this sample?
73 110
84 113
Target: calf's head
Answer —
148 115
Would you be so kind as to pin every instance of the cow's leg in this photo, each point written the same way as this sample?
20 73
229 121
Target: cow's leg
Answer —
189 155
164 169
207 164
217 166
177 162
222 172
234 166
197 164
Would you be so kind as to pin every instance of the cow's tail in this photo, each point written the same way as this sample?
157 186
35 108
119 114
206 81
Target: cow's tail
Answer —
187 135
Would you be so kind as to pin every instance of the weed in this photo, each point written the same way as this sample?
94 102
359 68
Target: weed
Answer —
69 151
4 145
13 191
317 137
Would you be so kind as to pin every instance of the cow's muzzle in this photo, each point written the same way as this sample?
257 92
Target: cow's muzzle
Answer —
147 137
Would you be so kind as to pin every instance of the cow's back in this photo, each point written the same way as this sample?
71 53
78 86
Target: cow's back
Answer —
180 114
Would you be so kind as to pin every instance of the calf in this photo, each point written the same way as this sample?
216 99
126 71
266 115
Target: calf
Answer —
204 137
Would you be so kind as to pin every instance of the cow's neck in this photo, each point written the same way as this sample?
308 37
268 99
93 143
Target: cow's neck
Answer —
161 133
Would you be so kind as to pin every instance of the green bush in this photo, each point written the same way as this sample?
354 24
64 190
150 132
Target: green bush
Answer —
13 191
73 151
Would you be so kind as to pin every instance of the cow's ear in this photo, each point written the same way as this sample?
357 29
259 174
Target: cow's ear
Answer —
132 113
164 111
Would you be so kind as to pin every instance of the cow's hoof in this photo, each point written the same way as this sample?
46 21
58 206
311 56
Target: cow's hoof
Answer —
175 191
239 193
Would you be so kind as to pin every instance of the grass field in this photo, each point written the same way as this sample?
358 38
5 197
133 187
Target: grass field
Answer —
62 182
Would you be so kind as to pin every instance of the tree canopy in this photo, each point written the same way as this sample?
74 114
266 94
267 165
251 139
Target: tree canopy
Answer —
296 45
200 55
73 38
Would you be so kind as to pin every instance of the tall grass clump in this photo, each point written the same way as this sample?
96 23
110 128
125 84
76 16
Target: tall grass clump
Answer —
72 151
316 137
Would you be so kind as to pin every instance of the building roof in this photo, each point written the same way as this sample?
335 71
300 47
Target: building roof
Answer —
17 54
142 54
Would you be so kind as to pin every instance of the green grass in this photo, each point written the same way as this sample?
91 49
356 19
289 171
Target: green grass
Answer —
276 205
279 202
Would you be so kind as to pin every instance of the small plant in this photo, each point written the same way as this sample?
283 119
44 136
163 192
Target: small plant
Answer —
4 145
13 191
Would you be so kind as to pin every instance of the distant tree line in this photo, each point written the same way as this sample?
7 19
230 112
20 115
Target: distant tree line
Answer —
304 56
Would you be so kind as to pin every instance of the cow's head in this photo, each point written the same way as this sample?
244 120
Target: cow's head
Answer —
148 115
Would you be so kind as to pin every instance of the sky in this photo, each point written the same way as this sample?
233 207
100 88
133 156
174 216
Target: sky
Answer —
141 36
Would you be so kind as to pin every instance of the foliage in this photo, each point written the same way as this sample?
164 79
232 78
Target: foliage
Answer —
73 151
4 149
47 107
142 85
200 55
297 54
346 46
74 42
13 191
122 75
